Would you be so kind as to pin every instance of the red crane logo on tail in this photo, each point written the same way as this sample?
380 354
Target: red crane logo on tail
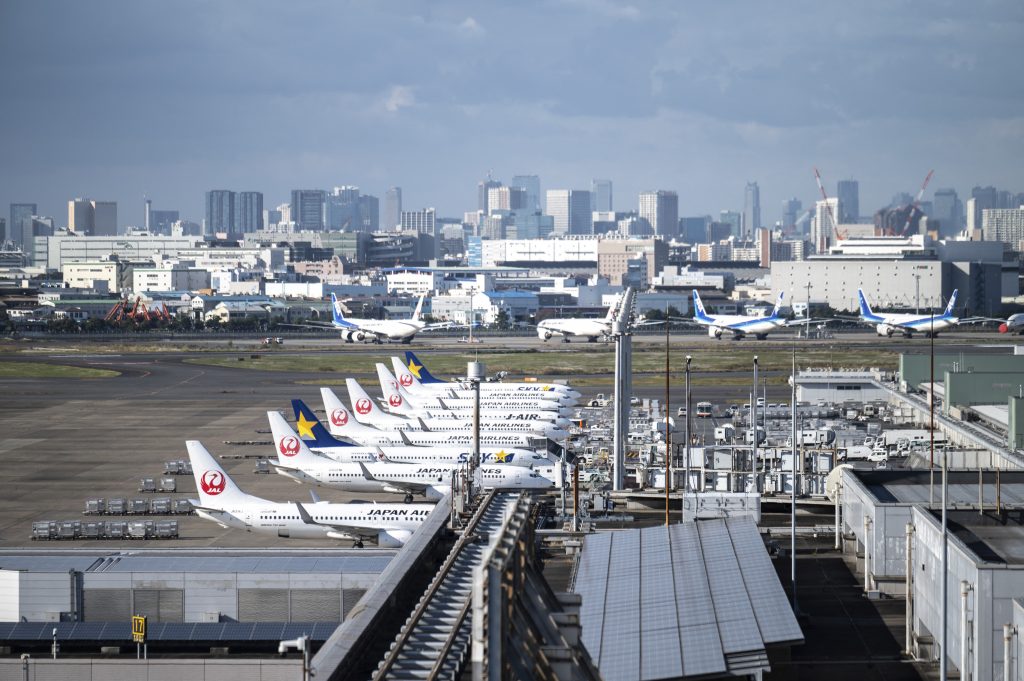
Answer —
395 400
405 379
289 446
339 417
363 406
212 482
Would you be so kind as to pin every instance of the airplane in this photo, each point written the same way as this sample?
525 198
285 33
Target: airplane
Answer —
1014 324
415 391
591 329
886 324
221 501
739 325
344 424
320 441
377 330
432 480
415 375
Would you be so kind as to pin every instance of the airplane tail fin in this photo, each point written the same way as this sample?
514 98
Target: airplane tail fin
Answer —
396 401
698 307
337 316
215 487
419 370
613 309
778 305
291 450
365 409
865 307
952 303
405 377
312 430
419 308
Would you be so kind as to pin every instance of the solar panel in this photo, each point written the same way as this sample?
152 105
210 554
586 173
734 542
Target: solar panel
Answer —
85 630
178 631
265 631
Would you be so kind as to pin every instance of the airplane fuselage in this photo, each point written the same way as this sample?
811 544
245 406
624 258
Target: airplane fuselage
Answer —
283 520
591 329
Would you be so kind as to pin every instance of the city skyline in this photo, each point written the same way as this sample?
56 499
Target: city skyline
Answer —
171 102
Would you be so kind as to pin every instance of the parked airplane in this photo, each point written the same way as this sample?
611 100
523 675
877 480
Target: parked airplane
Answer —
886 324
418 376
488 391
344 424
432 480
739 325
567 327
320 441
220 500
1015 324
378 330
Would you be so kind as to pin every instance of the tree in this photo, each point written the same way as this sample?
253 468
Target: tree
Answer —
503 321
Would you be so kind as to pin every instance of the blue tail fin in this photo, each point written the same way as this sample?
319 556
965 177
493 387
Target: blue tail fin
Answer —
311 430
952 304
418 370
698 308
778 305
336 315
865 308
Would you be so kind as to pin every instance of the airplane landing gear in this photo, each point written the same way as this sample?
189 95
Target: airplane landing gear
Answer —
592 339
358 544
408 498
761 336
565 339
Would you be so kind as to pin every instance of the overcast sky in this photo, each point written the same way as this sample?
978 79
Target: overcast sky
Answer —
112 100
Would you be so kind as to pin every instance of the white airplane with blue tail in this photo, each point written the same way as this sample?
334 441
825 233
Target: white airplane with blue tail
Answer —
889 323
739 325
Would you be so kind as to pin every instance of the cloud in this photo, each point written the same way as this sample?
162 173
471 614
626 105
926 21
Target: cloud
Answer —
401 96
471 27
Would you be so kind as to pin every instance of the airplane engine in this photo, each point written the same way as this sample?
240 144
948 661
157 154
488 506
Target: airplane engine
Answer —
884 330
355 336
393 539
714 332
437 492
544 334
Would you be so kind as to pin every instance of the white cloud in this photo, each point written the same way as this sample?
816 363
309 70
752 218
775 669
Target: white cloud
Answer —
472 27
401 96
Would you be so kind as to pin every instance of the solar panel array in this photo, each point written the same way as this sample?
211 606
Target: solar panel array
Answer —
680 601
166 631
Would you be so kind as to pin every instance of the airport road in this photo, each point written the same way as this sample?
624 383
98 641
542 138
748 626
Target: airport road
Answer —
65 441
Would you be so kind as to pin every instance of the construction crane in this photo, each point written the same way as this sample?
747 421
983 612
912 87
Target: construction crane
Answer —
828 207
913 206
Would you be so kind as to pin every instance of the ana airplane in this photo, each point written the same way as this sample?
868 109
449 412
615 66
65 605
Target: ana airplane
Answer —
220 500
886 324
1015 324
433 481
320 441
414 376
738 325
344 424
378 330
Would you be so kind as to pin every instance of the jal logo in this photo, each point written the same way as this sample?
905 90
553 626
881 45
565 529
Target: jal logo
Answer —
212 482
339 417
405 379
394 386
363 406
288 446
395 400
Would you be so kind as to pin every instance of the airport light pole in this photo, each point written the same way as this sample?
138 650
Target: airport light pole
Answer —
792 512
686 480
807 313
753 415
668 434
917 293
945 577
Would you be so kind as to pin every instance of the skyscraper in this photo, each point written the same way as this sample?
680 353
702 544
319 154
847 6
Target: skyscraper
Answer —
848 193
21 223
308 209
369 213
248 211
751 211
949 211
531 183
570 209
506 198
823 227
80 216
343 209
220 211
660 210
91 217
734 219
392 208
482 194
419 221
791 209
601 196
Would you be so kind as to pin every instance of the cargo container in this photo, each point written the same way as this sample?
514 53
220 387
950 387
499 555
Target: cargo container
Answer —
181 506
147 485
140 529
68 529
117 506
166 529
116 529
95 506
160 506
138 507
168 485
93 530
44 529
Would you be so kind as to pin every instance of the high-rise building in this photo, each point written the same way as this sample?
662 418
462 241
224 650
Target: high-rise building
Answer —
160 221
791 209
660 210
531 183
308 209
271 217
506 198
3 230
751 210
343 210
220 211
949 211
1003 224
482 194
601 196
92 218
419 221
570 209
823 227
20 225
694 230
369 213
248 213
392 208
735 220
148 209
848 193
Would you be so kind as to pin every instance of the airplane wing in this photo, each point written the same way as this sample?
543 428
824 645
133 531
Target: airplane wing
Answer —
649 322
408 486
351 529
980 320
800 321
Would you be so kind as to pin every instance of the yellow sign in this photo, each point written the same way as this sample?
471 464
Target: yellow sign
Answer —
138 629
